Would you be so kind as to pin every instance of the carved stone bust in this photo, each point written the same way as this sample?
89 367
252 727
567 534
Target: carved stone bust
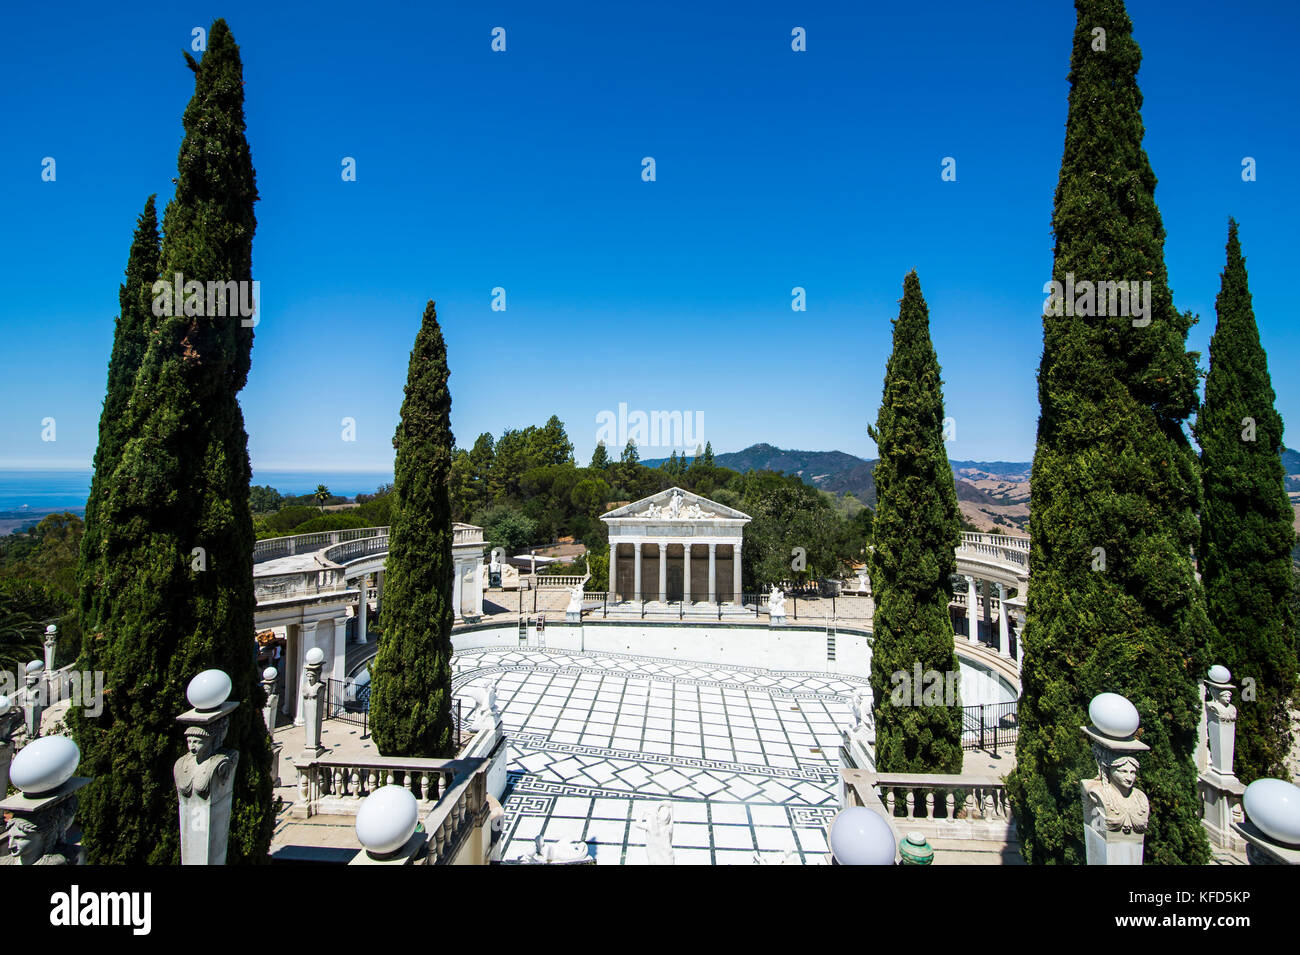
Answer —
1114 804
313 685
41 839
205 762
1219 706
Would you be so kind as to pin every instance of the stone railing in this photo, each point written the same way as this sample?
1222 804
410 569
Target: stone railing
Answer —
303 584
996 547
451 794
962 599
962 806
358 549
543 581
273 547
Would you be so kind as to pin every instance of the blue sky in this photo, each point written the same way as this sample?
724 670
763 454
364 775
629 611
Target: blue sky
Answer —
522 170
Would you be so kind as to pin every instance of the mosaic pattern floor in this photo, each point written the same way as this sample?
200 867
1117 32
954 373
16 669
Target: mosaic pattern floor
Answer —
747 757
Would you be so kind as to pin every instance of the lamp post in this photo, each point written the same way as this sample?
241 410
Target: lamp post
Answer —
34 703
46 802
205 775
386 827
861 836
1272 825
1115 813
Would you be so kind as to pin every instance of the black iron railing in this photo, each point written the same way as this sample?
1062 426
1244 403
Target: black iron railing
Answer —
989 726
349 703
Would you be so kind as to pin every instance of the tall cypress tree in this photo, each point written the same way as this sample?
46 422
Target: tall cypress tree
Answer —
1246 527
917 530
130 340
1113 600
177 536
410 696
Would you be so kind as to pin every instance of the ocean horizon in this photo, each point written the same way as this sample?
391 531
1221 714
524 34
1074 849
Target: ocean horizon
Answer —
44 489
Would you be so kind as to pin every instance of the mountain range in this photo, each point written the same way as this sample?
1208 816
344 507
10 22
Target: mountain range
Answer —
991 494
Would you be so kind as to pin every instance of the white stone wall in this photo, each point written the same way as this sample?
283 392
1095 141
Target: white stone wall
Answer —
787 648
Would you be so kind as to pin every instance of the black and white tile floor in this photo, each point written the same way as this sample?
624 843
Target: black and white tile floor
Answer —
747 757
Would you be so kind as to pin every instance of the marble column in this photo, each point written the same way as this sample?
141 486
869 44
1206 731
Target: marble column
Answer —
713 573
972 610
478 589
663 571
1004 637
686 573
458 576
636 570
363 609
736 596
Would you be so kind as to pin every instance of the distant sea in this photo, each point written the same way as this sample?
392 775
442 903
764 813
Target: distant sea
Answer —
54 490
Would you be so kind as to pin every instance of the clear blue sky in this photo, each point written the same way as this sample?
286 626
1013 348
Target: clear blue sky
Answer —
523 170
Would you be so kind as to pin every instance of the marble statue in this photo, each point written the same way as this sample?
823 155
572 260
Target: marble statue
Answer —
485 714
558 853
675 505
575 600
1114 805
866 719
205 762
788 857
776 602
658 824
42 838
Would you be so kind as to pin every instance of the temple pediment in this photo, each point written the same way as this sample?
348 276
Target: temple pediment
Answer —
675 504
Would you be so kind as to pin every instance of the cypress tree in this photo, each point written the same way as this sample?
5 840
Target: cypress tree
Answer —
917 531
130 339
1246 527
410 696
1113 601
177 534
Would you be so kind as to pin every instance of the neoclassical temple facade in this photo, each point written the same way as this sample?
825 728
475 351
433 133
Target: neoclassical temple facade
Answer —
675 546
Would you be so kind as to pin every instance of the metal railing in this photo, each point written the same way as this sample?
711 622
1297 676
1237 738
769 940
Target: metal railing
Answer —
989 726
349 703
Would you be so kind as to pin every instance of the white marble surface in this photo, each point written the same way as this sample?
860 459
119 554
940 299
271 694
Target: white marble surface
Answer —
747 757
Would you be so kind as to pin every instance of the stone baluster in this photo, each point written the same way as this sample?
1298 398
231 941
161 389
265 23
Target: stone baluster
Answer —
355 784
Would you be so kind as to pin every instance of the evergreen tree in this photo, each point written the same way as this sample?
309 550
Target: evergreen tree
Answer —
130 340
1113 601
175 531
1246 527
916 535
707 458
600 457
410 697
630 455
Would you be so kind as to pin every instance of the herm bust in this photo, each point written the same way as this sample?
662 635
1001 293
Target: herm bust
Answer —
1219 706
42 839
205 762
1114 804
